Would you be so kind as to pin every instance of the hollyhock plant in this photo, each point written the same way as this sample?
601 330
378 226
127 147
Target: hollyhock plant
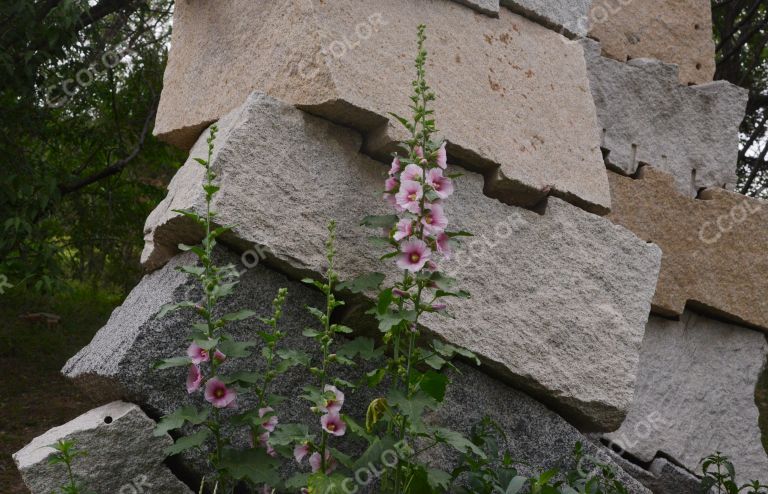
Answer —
434 219
408 198
333 424
300 452
194 378
218 394
197 354
413 255
404 229
412 172
443 186
271 422
395 167
333 405
315 461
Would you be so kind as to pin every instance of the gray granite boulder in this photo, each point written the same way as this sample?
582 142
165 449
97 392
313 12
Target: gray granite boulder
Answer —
568 17
647 117
121 353
560 298
123 454
661 476
696 395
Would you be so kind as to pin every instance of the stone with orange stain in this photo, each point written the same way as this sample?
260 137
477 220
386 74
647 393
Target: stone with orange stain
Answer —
714 248
673 31
351 61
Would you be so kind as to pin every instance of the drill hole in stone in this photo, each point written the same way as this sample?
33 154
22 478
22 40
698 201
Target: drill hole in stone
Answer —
107 419
696 27
698 66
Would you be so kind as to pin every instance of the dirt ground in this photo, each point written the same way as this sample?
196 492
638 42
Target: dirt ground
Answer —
33 395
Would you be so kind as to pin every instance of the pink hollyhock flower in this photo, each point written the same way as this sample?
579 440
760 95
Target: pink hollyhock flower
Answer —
197 354
412 172
399 293
439 307
413 255
300 451
264 442
390 184
434 220
194 378
315 463
443 186
404 229
219 357
217 393
334 404
332 424
395 166
419 152
409 196
392 200
442 157
443 245
269 424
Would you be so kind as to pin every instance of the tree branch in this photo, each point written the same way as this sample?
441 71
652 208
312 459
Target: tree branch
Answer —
117 166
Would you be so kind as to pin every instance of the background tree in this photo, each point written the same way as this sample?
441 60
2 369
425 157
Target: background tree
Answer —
81 171
741 36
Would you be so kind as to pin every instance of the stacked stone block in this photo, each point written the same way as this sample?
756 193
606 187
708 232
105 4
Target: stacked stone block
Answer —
617 280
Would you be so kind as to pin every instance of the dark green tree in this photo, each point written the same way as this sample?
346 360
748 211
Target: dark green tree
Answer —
81 170
741 36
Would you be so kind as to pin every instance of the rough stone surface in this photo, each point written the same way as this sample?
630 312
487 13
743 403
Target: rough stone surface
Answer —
647 118
696 395
489 7
123 350
661 477
714 247
513 97
673 31
123 454
546 287
569 17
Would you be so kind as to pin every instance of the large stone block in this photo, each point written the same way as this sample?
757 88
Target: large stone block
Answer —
696 395
489 7
714 247
647 118
512 96
673 31
122 351
123 455
547 287
569 17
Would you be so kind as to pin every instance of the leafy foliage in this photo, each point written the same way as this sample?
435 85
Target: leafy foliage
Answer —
81 171
720 477
65 454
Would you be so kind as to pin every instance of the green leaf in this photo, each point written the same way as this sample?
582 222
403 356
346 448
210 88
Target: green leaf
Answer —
311 333
165 309
251 464
236 349
286 434
207 343
188 442
295 357
457 441
178 418
438 479
434 384
238 316
515 485
363 346
169 363
385 221
363 283
244 377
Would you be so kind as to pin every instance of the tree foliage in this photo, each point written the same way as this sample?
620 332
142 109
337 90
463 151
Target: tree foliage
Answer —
78 93
741 36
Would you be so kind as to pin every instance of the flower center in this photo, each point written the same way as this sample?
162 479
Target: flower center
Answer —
436 186
412 197
415 257
428 219
219 393
331 427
